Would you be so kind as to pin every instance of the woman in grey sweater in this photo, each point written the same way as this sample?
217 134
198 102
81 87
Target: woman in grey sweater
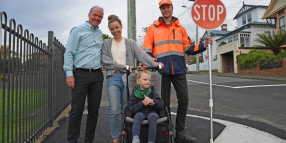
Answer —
117 53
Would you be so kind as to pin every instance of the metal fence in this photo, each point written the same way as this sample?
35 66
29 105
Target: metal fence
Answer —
33 90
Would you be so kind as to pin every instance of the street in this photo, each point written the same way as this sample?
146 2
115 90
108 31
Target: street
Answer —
256 103
258 100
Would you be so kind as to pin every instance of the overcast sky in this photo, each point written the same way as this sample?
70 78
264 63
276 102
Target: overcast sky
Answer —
41 16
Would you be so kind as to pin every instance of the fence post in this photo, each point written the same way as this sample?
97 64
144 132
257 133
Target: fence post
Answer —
50 77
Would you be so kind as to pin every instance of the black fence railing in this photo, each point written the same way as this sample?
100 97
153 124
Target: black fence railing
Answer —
33 90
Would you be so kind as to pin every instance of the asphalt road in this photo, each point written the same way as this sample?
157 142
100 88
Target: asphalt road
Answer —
257 100
256 103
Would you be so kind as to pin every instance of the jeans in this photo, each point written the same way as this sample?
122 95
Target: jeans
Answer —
152 120
117 97
180 85
87 84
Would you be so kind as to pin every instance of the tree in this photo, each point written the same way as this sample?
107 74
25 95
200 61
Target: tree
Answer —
273 40
2 52
106 36
12 62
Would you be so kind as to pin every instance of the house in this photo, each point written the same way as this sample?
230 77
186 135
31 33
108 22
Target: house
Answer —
276 13
242 39
214 34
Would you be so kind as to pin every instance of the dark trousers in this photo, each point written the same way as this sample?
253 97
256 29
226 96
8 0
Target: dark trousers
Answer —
180 85
86 84
152 120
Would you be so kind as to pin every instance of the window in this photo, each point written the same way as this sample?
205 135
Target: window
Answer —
232 38
282 23
235 38
243 20
247 42
244 40
249 18
229 39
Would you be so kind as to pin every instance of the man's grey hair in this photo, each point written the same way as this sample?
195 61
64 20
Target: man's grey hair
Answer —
96 7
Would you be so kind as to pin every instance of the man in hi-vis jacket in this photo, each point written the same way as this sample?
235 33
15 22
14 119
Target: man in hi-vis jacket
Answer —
167 41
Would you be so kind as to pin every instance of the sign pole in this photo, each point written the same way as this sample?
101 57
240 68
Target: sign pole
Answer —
209 14
211 94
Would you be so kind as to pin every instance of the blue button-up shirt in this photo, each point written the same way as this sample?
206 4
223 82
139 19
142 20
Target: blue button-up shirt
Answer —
83 48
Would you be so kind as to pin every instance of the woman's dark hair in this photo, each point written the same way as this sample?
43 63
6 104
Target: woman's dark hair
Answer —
113 18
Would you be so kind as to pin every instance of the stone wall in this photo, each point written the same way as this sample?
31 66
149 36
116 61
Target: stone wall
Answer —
274 72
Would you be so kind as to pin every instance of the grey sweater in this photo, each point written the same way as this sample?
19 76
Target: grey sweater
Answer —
132 51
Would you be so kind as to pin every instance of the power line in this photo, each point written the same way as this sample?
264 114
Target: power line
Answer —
184 11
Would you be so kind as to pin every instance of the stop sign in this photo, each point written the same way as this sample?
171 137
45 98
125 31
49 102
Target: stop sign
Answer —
208 14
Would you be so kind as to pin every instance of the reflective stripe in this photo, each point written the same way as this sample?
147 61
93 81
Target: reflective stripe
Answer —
161 43
168 54
186 48
168 42
148 50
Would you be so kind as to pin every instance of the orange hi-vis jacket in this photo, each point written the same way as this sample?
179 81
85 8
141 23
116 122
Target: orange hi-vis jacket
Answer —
168 43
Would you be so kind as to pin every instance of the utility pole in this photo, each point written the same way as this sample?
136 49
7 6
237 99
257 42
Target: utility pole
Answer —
196 42
197 56
131 6
131 16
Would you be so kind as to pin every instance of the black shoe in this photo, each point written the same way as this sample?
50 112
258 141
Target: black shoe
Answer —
88 141
181 137
72 142
186 140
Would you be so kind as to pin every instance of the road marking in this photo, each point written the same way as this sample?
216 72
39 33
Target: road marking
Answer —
238 87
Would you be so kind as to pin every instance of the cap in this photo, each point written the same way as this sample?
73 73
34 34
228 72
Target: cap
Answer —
165 2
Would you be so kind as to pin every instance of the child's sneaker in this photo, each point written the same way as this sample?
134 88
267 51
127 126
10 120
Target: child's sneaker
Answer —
136 139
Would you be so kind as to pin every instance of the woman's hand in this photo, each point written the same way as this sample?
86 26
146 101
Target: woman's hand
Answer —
128 67
160 65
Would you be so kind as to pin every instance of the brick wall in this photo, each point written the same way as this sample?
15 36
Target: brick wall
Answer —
256 71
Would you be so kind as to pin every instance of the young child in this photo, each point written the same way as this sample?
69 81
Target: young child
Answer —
145 104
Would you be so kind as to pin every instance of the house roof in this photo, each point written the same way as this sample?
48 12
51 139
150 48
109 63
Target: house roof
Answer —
219 32
246 8
244 27
273 8
214 32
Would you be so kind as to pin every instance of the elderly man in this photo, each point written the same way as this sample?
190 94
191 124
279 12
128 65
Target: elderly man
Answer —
82 63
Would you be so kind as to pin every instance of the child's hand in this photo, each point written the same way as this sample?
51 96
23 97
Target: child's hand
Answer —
151 103
146 100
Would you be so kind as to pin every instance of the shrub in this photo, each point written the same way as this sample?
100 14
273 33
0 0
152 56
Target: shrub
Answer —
270 63
282 55
246 62
2 79
263 59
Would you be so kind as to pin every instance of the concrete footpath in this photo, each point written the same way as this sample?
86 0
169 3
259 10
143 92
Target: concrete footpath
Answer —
238 133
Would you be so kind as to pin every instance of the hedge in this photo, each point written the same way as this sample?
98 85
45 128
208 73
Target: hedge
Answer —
260 58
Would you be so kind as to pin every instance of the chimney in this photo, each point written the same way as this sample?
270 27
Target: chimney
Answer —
224 27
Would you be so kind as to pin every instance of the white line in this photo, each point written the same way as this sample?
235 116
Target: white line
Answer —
238 87
208 83
259 86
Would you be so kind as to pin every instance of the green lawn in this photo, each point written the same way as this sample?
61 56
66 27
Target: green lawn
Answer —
29 107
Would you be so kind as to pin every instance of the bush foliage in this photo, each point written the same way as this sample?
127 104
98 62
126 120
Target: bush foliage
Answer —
262 59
